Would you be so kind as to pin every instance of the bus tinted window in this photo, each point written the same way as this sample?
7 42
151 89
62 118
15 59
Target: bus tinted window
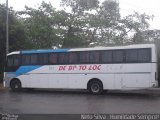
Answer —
94 57
118 56
53 58
106 56
84 57
34 59
16 60
43 59
73 58
26 59
10 61
63 58
131 55
144 55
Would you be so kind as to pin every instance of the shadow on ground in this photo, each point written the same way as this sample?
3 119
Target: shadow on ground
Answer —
141 94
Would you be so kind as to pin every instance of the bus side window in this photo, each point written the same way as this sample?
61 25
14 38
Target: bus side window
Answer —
106 56
34 59
131 55
63 58
84 57
26 59
73 58
53 58
94 57
16 60
118 56
144 55
10 61
43 59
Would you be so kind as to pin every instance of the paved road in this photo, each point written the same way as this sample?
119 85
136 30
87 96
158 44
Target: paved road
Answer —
64 102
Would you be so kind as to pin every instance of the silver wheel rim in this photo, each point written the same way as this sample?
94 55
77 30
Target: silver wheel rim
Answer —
16 86
95 88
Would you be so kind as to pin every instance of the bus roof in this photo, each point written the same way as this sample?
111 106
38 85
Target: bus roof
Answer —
83 49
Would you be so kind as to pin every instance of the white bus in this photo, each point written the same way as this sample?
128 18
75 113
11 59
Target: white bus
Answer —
95 69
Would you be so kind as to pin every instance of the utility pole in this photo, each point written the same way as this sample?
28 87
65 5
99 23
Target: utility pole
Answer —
7 40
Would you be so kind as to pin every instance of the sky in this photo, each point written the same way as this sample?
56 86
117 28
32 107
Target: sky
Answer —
150 7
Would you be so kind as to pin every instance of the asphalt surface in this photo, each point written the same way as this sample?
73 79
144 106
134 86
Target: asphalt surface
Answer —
76 102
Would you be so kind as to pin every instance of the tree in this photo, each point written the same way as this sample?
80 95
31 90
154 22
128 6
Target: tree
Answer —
77 23
136 23
103 23
88 23
16 35
41 26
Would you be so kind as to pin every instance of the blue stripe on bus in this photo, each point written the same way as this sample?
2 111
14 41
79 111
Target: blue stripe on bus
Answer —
43 51
26 69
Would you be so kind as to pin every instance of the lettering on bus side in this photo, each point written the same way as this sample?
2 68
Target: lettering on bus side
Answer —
79 67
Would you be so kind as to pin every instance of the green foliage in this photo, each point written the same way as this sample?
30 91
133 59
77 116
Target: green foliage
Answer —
89 23
16 35
39 25
79 6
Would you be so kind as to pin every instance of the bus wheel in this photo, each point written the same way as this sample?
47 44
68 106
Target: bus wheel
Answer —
95 87
15 85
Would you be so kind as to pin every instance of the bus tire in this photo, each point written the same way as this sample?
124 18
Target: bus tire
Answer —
95 87
15 85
